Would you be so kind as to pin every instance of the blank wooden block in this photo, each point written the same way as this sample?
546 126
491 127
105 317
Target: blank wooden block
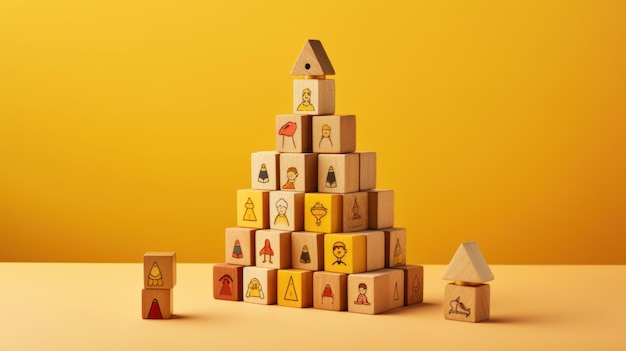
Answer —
323 212
287 210
273 248
307 250
375 249
395 287
355 211
239 246
368 292
338 173
313 97
313 60
265 170
298 172
345 253
334 134
468 265
295 288
367 173
253 208
157 303
380 209
466 302
330 291
228 282
159 270
413 284
259 285
294 133
395 247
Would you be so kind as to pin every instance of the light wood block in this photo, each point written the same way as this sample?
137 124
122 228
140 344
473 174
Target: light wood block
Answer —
367 173
395 247
368 292
273 248
468 265
375 249
239 246
295 288
323 212
287 210
159 270
265 170
380 209
259 285
395 287
330 291
345 253
334 134
307 250
314 97
466 303
338 173
228 282
413 284
312 61
253 208
157 303
298 172
355 211
294 133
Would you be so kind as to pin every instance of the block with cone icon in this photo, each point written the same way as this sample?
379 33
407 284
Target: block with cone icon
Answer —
240 246
369 292
265 170
367 172
286 210
298 172
413 284
307 250
228 282
253 208
355 211
395 247
293 133
314 96
259 285
295 287
323 212
273 248
335 134
159 270
345 252
330 291
395 287
157 303
381 211
338 173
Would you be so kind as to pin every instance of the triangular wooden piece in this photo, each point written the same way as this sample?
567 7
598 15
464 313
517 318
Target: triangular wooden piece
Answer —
312 61
468 265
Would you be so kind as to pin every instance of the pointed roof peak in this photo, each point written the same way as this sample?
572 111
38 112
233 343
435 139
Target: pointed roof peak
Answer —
468 265
312 60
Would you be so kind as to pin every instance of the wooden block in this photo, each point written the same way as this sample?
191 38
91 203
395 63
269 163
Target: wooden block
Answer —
273 248
293 133
355 211
367 173
259 285
157 303
253 208
159 270
468 265
468 303
395 287
368 292
413 284
313 97
298 172
345 252
295 288
380 209
334 134
375 249
287 210
228 282
313 60
330 291
323 212
239 246
395 247
338 173
307 250
265 170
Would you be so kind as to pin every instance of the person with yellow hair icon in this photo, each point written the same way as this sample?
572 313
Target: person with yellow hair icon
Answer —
255 289
306 104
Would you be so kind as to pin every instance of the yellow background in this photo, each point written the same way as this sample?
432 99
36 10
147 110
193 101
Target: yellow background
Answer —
127 126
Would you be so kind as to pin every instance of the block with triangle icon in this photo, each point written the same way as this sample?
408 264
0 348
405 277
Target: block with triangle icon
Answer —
159 280
295 287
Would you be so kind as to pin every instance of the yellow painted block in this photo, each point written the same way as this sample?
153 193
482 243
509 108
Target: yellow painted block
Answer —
295 288
253 208
323 212
345 253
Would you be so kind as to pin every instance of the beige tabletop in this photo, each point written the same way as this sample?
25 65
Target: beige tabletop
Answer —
73 306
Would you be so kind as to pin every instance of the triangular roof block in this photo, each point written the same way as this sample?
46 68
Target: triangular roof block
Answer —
312 61
468 265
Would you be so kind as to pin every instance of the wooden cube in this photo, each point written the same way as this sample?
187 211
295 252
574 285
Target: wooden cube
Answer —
228 282
313 96
298 172
380 207
413 284
253 208
159 270
367 173
355 211
265 170
368 292
338 173
323 212
345 253
334 134
395 286
395 247
259 285
467 303
307 250
293 133
295 288
157 303
375 249
239 246
273 248
330 291
287 210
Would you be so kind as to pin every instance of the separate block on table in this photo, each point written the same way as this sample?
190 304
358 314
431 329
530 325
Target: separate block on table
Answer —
380 209
307 250
369 292
413 284
259 285
295 287
157 303
293 133
265 170
468 303
159 270
323 212
228 282
367 173
253 208
345 252
330 291
355 211
287 210
334 134
375 244
313 96
395 247
240 246
273 248
298 172
338 173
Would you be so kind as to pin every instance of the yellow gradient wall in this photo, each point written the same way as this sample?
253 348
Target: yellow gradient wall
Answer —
127 126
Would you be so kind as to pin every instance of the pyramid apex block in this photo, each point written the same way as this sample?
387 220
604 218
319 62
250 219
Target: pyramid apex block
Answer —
312 61
468 265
